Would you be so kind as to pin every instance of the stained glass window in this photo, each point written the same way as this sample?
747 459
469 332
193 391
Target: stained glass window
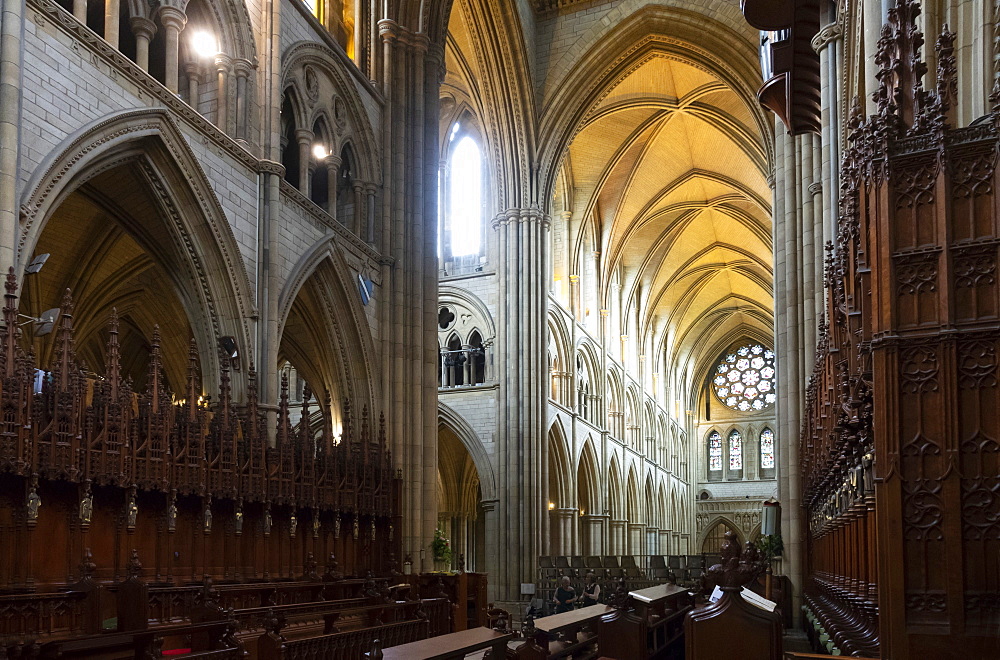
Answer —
735 451
744 379
715 451
766 449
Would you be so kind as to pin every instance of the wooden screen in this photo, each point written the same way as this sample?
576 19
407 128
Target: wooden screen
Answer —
196 490
900 446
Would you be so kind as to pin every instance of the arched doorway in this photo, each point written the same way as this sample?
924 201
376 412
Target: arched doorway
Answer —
461 517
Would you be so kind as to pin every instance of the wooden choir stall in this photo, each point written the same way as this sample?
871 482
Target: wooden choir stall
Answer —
732 627
139 522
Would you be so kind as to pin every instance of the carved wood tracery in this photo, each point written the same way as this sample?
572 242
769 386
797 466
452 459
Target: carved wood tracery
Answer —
899 448
193 485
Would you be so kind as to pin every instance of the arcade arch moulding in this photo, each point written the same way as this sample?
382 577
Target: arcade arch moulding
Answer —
193 216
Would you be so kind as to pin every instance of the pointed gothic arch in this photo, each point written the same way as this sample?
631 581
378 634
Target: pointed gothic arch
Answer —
179 221
330 318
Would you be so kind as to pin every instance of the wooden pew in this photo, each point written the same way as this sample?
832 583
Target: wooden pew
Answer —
446 647
321 613
216 643
730 626
651 624
339 646
568 635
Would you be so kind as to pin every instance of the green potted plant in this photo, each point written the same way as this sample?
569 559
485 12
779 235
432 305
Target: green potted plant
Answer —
771 546
441 549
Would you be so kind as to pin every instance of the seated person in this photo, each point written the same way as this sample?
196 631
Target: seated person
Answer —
565 596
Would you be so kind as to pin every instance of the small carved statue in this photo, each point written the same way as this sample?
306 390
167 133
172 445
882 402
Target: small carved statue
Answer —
87 565
336 524
310 567
332 574
357 528
293 524
391 533
373 528
172 516
131 512
239 520
315 524
87 507
34 502
267 519
208 519
134 565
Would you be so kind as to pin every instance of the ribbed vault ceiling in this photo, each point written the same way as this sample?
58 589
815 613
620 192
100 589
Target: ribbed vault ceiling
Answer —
668 170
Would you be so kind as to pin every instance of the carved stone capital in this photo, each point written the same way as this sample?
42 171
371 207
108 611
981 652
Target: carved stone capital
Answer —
172 17
271 167
243 67
304 136
388 30
826 35
143 27
223 63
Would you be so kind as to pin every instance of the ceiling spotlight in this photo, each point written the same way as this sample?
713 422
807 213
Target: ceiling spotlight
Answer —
44 323
204 44
228 346
320 152
36 263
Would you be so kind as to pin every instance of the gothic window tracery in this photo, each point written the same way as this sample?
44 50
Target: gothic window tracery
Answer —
735 451
767 449
462 196
715 452
744 378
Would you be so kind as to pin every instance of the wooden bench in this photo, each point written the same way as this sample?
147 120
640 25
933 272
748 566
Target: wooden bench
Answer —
650 625
446 647
340 646
206 641
568 635
732 626
323 613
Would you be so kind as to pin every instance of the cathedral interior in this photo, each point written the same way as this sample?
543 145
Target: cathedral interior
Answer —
536 328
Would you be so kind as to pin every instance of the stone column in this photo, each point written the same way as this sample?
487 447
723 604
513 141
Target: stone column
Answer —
369 224
652 545
80 10
444 367
359 197
592 534
467 365
112 15
304 137
244 69
333 164
665 542
636 539
173 21
11 24
560 524
522 264
144 30
616 536
223 64
193 71
567 518
409 133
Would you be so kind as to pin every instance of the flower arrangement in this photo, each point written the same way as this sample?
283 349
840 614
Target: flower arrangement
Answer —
441 547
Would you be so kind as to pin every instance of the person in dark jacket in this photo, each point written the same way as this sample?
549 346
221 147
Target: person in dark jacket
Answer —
565 596
591 591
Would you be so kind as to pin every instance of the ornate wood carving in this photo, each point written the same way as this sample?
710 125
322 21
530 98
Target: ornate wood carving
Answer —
900 444
85 462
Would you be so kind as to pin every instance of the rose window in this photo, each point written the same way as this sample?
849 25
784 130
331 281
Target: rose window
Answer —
744 379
